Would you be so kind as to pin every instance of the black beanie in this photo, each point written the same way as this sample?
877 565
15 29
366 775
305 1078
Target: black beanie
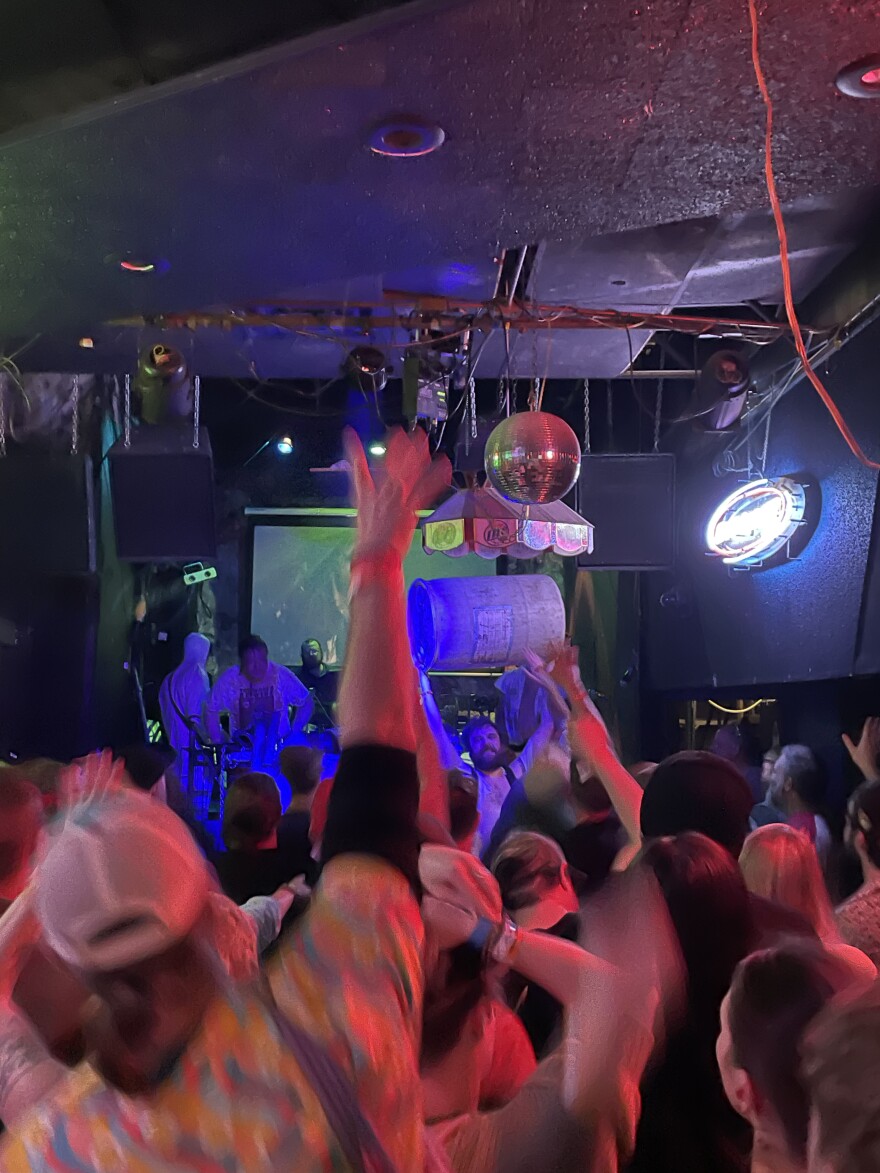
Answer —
697 791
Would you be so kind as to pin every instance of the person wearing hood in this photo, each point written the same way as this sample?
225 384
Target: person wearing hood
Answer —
184 692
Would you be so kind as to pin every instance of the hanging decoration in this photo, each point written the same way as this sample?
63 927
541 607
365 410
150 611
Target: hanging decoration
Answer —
533 458
756 521
479 521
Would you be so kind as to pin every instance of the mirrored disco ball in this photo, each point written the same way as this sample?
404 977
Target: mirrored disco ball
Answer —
533 458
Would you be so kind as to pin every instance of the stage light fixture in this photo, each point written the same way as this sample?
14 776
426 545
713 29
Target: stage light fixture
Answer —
756 521
284 446
377 448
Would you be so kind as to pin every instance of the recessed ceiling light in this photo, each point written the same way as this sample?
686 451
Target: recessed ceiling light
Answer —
87 343
285 445
377 448
405 138
861 79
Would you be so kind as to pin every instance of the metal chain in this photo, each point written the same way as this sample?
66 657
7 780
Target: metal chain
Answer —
658 414
610 400
587 440
472 406
197 408
4 378
126 412
74 418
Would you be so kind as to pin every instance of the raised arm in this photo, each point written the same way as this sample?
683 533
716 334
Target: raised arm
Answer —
449 755
591 744
373 809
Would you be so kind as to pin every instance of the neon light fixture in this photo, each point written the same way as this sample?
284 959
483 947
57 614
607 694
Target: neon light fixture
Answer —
755 521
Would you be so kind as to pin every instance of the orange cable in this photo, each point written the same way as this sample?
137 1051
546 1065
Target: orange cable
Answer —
791 313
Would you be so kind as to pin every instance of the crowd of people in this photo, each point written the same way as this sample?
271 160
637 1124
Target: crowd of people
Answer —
452 955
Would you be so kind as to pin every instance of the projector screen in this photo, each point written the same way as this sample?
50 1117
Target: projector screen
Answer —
300 585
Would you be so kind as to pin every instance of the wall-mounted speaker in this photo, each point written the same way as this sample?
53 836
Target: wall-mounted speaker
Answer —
631 502
47 514
163 496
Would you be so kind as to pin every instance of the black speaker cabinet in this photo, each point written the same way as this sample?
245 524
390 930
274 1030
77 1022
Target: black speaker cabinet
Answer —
163 495
47 514
631 502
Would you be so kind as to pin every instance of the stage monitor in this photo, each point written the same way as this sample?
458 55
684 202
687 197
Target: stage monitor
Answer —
630 500
299 582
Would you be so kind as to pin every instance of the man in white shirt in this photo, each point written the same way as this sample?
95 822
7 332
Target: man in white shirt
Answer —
258 695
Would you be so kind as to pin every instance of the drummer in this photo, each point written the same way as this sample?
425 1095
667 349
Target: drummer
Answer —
321 682
259 697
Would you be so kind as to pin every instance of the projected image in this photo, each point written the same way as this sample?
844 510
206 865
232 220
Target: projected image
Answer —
300 585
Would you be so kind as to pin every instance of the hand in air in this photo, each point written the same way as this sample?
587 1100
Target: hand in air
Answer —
91 779
458 892
866 752
387 503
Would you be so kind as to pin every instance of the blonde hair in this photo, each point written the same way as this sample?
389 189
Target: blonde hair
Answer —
780 863
525 865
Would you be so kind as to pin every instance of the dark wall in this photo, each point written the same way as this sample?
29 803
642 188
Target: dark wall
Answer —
805 620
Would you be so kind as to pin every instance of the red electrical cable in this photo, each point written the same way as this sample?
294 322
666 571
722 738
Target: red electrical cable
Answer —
791 313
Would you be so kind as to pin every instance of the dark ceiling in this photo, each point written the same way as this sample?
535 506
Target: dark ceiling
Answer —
625 139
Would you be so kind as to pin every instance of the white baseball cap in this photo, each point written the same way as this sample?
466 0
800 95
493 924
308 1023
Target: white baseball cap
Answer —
121 881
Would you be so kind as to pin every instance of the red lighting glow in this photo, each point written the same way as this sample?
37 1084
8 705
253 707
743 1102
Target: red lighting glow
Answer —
871 78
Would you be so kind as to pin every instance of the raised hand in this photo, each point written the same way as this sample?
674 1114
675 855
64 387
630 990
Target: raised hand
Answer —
866 752
387 504
91 779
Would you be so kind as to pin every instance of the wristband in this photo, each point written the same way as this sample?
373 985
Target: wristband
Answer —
505 942
382 566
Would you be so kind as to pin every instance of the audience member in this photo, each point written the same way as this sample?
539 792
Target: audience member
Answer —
234 1078
737 744
301 767
686 1121
254 864
841 1065
536 890
859 917
774 997
780 864
766 812
798 790
494 765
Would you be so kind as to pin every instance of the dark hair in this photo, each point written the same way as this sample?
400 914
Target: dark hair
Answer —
798 762
252 643
301 765
144 764
709 906
698 791
863 814
452 993
525 865
774 996
471 728
686 1121
252 811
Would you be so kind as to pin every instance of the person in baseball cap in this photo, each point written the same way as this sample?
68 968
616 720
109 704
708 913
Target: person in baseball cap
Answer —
122 894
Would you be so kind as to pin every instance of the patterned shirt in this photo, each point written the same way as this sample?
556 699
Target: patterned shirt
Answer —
350 975
859 920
